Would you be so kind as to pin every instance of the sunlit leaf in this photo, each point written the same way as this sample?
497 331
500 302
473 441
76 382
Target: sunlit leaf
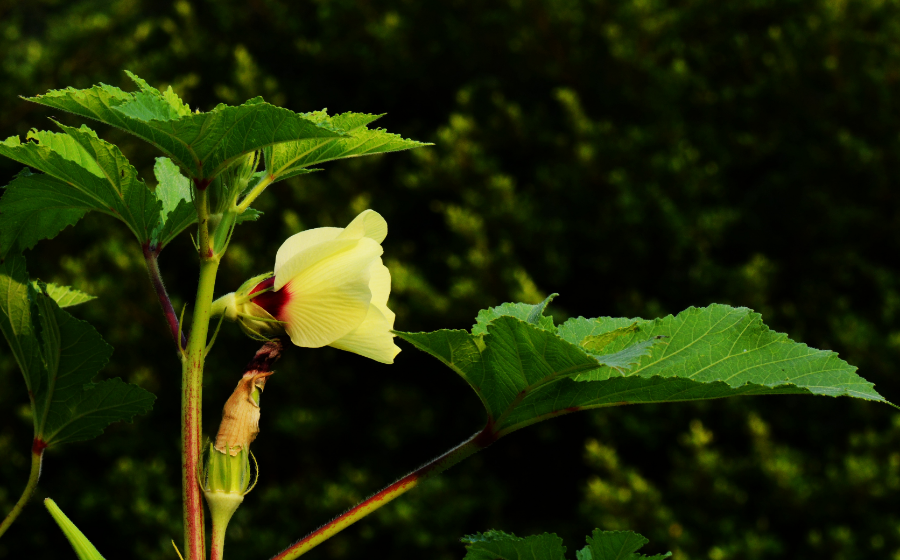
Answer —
65 296
293 158
525 371
201 144
174 192
90 173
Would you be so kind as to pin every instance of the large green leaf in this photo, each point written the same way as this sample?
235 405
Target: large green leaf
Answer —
90 173
601 545
616 545
202 144
497 545
525 371
35 207
724 344
59 355
293 158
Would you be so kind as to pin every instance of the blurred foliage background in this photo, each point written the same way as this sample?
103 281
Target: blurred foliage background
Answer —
638 157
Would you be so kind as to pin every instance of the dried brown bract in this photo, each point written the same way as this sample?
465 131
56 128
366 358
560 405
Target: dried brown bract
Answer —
240 416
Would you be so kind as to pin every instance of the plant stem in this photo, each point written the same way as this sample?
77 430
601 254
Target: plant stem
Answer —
192 387
151 257
257 190
37 455
467 448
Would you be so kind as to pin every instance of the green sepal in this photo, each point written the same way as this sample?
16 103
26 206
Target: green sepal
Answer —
82 546
226 473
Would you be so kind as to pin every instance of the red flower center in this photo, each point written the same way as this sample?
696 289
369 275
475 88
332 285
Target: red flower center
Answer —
271 301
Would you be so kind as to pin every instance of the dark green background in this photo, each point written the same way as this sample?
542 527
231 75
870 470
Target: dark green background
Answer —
637 157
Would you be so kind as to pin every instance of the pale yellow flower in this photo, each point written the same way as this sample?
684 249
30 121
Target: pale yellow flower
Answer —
330 287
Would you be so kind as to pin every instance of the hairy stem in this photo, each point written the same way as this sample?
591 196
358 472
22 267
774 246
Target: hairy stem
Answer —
151 257
192 387
257 190
467 448
37 455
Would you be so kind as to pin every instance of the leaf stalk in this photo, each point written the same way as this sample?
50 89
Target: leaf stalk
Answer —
151 257
466 449
37 456
257 190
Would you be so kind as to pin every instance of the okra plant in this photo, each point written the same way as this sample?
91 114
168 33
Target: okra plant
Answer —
327 286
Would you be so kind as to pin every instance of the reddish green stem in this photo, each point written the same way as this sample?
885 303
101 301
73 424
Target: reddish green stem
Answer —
469 447
151 257
37 455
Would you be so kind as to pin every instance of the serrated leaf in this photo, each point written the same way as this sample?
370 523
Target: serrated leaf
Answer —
248 215
201 144
292 158
59 355
16 322
84 549
497 545
35 207
524 311
524 374
174 192
508 364
91 174
616 545
731 345
64 296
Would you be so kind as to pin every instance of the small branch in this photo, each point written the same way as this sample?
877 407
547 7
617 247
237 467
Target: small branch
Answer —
151 257
37 455
469 447
257 190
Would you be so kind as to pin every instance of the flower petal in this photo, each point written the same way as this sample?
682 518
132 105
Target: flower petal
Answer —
329 297
299 242
380 283
369 224
309 257
372 339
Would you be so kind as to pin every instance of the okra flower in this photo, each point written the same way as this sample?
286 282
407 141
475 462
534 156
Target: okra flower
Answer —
329 287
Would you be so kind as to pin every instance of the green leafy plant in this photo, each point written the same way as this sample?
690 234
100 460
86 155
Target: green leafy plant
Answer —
328 287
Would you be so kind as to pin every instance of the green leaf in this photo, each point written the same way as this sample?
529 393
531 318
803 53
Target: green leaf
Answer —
497 545
524 373
726 344
248 215
174 192
64 296
91 174
511 364
292 158
601 545
59 355
83 547
202 144
16 322
616 545
35 207
526 312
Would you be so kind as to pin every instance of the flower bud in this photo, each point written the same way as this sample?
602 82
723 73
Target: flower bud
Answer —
225 479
